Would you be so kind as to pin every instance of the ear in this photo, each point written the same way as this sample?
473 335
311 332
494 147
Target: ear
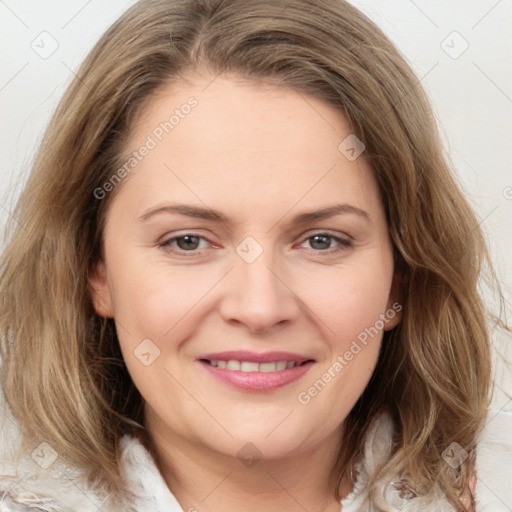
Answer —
394 308
100 290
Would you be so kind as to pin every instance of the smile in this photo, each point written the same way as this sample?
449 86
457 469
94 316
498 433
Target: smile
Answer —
250 371
250 366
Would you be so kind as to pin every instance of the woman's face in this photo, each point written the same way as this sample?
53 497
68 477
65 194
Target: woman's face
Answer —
248 268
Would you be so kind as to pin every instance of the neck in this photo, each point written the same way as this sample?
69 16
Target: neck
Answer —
203 480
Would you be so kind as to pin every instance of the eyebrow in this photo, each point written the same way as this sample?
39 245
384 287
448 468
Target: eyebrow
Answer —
212 215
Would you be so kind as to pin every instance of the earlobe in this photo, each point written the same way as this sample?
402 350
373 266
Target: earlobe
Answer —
100 291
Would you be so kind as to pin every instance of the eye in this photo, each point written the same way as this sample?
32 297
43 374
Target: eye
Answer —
326 242
192 243
188 242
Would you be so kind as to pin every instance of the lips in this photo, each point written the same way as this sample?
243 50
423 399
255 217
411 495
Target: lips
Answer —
250 371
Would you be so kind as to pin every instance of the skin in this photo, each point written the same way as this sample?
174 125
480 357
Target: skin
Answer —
259 155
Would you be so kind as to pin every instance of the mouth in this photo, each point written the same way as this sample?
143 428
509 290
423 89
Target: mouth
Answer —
250 371
251 366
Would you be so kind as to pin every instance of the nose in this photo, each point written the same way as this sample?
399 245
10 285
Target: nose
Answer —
259 297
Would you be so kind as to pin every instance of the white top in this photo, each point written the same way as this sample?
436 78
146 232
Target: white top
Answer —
30 487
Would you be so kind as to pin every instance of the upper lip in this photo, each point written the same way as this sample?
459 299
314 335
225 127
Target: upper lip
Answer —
255 357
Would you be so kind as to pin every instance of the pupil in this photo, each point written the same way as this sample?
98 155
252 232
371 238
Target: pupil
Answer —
320 242
188 242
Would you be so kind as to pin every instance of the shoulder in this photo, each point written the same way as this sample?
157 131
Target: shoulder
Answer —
392 495
38 480
143 478
41 480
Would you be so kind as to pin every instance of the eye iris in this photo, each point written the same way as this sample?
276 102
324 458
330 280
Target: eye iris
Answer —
187 242
320 242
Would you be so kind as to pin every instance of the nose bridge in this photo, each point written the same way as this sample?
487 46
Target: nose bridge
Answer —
258 281
258 296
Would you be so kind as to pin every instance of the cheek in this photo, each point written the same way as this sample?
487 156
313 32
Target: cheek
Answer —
164 305
347 299
348 304
150 296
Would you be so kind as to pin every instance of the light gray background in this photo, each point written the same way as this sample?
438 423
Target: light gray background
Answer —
471 92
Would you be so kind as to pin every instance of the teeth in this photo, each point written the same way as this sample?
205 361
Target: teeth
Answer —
233 365
246 366
250 366
268 367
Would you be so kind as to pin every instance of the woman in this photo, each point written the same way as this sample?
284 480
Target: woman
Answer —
243 276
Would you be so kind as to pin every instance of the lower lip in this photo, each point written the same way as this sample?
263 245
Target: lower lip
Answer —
258 381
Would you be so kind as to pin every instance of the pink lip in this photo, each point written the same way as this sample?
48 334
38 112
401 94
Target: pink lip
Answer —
254 357
257 381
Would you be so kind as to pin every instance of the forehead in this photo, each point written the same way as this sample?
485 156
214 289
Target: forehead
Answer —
246 143
240 117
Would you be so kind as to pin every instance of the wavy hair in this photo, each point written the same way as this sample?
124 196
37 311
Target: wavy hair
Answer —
63 375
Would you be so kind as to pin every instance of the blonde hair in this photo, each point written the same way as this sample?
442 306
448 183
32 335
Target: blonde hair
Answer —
63 374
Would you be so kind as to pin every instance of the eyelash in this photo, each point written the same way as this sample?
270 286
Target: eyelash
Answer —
343 244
